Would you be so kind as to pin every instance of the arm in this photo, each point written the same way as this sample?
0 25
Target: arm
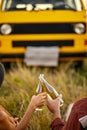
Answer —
78 110
36 101
54 107
7 122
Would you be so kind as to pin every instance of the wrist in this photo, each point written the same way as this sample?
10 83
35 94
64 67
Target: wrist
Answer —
32 106
56 114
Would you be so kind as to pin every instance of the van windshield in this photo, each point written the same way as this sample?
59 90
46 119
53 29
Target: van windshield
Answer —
29 5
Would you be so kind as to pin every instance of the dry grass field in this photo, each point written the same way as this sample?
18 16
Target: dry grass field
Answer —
20 84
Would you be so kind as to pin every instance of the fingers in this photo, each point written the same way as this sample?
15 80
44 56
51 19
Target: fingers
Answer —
43 95
16 119
60 96
43 98
60 100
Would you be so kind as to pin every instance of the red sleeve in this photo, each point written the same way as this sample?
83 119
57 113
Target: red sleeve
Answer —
57 124
79 110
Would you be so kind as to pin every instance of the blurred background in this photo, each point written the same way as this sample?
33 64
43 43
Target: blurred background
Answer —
42 37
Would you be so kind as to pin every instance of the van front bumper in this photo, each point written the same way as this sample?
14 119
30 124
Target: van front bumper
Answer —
62 56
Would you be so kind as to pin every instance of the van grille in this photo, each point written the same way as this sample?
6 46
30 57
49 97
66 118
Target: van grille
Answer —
42 28
58 43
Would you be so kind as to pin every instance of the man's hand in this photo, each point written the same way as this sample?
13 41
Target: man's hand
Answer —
54 106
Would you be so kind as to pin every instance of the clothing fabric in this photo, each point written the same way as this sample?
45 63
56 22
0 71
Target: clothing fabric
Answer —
78 111
83 121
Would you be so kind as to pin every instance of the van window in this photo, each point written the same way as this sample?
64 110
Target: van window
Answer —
12 5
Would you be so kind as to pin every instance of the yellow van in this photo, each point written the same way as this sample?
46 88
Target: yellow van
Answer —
60 24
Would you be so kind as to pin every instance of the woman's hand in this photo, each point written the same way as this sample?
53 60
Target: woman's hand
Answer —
38 100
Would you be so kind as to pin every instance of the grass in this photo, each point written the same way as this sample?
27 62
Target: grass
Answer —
20 84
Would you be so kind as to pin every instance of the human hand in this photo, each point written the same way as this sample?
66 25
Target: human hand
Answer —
54 105
38 100
7 121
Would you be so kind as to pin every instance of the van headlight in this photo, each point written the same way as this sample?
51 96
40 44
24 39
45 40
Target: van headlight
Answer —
79 28
6 29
